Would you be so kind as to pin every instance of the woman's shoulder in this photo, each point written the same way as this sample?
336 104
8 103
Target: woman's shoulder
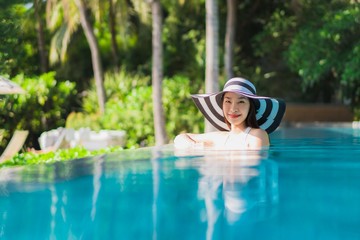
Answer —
259 137
258 132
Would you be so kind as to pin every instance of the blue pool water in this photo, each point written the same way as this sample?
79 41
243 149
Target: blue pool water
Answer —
307 186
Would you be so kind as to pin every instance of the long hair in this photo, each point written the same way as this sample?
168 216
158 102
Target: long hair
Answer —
251 117
250 120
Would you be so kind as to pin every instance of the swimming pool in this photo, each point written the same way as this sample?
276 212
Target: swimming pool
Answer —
307 186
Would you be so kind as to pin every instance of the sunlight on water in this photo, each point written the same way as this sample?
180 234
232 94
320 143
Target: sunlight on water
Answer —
307 186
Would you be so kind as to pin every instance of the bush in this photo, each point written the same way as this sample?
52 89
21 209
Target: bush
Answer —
30 158
129 108
44 106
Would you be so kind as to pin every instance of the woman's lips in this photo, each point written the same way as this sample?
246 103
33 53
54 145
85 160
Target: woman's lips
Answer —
233 115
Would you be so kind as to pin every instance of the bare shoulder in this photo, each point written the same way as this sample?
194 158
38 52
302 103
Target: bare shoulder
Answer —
258 132
259 137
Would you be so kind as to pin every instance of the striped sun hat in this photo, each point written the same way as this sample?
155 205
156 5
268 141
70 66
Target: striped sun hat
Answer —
269 111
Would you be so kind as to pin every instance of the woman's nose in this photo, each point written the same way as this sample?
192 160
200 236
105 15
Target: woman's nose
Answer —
234 108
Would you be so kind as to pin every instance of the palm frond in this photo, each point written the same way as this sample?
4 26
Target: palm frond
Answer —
143 9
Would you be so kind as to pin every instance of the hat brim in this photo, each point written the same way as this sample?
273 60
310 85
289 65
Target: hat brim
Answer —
269 111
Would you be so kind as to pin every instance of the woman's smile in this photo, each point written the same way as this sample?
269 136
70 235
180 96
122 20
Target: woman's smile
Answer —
233 116
235 108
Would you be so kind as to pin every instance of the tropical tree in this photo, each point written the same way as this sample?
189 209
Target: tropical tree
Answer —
326 52
95 54
117 12
112 26
17 40
157 64
230 38
212 62
64 17
40 30
157 73
9 39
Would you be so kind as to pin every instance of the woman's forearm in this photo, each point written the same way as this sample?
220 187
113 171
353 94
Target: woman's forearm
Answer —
184 141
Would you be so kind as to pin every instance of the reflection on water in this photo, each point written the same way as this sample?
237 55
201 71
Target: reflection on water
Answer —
127 199
301 188
236 187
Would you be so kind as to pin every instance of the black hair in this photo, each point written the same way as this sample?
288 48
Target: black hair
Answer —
251 117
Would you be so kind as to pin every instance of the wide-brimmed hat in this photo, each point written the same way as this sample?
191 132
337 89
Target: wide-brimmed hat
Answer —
269 111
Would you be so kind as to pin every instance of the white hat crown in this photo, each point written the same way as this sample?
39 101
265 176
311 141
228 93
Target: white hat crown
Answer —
240 85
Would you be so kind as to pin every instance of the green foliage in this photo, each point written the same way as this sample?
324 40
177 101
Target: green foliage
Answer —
327 51
133 114
44 106
11 50
30 158
180 111
79 120
276 34
129 107
78 66
310 48
18 42
184 41
117 86
271 75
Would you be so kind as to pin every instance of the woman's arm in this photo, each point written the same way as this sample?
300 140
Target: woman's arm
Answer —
191 140
259 139
184 141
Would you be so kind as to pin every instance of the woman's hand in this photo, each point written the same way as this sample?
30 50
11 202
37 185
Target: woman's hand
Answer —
193 141
183 141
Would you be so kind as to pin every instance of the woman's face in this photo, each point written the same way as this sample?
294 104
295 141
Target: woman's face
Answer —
236 108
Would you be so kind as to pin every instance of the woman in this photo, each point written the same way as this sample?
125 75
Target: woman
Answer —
243 118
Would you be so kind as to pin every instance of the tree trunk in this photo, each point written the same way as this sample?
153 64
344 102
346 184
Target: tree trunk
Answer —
95 55
112 23
157 74
229 38
212 62
40 37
